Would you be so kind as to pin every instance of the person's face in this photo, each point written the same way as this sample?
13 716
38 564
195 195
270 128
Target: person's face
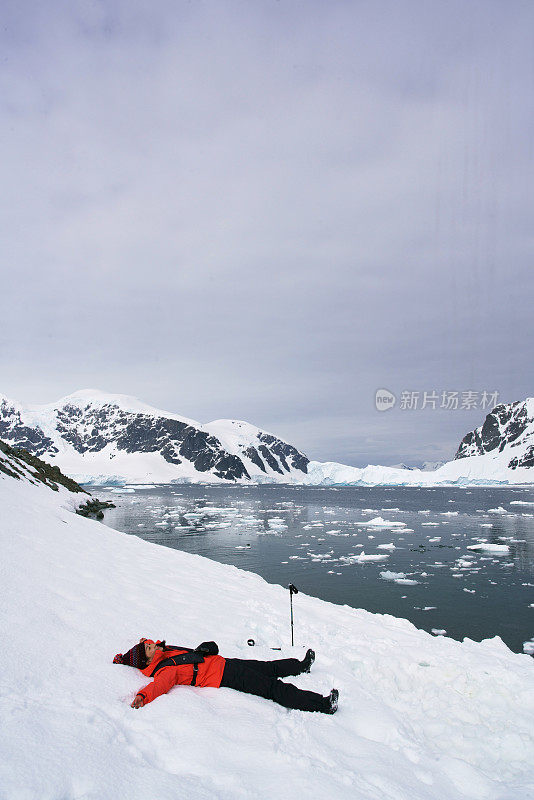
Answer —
150 649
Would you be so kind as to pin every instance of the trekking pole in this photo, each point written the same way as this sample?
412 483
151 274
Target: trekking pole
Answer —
292 590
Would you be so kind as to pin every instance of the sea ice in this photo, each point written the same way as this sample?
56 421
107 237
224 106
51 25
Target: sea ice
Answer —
398 577
379 522
490 547
361 558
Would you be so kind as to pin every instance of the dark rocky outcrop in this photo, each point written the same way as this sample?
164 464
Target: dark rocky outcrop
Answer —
285 452
20 435
507 425
50 475
94 508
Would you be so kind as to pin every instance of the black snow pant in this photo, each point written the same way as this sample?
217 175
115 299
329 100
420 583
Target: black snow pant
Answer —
262 678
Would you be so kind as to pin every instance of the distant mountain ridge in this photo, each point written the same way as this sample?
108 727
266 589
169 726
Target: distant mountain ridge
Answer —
426 466
95 436
100 438
500 451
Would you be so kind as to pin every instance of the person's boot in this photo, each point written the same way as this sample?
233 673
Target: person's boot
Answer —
308 660
331 702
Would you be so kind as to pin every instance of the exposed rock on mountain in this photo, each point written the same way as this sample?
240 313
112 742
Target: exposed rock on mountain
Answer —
18 463
507 429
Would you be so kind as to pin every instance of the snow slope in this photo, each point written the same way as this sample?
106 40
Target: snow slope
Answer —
420 718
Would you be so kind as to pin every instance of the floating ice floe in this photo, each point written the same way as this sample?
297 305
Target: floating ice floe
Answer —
429 524
498 510
521 503
438 632
489 547
398 577
362 557
528 647
217 524
379 522
389 546
221 510
321 556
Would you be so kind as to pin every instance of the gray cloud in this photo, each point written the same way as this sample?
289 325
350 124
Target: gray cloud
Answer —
266 211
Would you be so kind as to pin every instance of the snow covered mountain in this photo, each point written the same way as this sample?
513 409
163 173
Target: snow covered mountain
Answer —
499 451
507 433
103 438
97 437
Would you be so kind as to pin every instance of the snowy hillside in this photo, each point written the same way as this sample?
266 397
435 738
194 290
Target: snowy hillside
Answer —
22 466
420 718
101 438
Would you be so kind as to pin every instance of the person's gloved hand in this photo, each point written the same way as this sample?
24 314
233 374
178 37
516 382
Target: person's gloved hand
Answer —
138 701
208 649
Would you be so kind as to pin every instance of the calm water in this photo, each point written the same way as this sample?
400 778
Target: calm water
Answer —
321 540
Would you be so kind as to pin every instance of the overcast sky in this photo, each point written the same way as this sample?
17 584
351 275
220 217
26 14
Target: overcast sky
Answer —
268 210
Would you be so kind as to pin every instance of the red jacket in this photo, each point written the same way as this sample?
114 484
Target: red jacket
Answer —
209 674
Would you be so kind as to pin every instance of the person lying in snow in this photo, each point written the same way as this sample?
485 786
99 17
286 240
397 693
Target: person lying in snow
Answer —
172 665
